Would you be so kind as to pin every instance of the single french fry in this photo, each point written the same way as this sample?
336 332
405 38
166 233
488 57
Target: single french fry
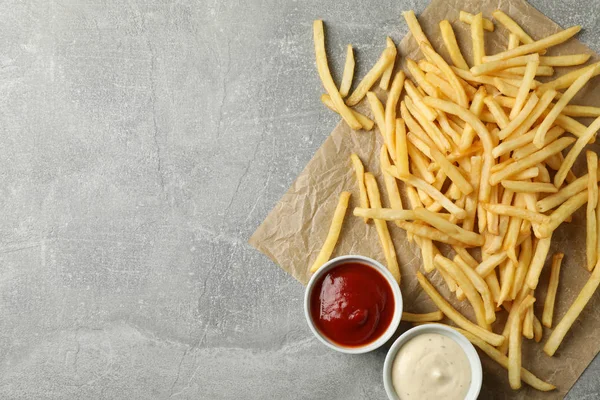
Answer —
389 180
528 323
452 46
472 199
447 71
364 121
526 174
514 348
537 262
390 112
522 267
581 111
385 214
561 174
467 18
401 148
427 256
434 194
529 187
564 61
448 266
546 124
552 287
528 77
415 27
501 359
536 46
387 57
591 228
489 264
541 70
359 170
513 211
428 317
566 80
382 228
531 160
378 112
572 314
334 232
327 80
457 317
486 68
538 331
477 39
512 27
384 82
348 74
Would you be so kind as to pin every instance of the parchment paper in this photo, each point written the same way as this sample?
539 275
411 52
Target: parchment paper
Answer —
292 234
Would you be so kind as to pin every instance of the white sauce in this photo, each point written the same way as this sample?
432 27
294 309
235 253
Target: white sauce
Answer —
431 366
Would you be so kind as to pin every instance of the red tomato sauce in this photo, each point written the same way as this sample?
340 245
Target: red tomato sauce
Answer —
352 305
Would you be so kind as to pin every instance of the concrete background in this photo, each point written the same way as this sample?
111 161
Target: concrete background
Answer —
141 143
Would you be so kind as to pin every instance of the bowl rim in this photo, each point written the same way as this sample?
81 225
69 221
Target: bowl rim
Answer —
468 348
398 304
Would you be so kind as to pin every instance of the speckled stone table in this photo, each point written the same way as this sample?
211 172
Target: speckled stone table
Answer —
141 143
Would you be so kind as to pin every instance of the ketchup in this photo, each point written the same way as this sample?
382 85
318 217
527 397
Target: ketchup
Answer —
352 305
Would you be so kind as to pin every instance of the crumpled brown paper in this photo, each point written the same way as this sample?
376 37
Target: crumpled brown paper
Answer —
294 231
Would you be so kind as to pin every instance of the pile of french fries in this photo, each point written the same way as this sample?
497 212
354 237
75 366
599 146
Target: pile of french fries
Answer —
479 154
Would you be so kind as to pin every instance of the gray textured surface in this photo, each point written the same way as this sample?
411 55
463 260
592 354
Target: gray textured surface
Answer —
142 143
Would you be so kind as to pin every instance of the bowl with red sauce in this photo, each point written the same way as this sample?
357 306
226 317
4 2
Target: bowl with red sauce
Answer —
353 304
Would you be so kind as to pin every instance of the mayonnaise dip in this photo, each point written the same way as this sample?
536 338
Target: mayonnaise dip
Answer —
431 366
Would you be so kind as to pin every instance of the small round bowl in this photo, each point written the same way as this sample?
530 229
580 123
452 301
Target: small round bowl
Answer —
472 356
391 329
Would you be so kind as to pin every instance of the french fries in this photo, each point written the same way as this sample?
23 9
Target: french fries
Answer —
452 45
334 232
455 316
348 74
327 80
429 317
559 332
536 46
514 347
551 293
591 227
359 170
473 148
382 229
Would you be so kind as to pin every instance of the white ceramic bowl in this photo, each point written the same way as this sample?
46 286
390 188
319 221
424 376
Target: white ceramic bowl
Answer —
472 356
331 264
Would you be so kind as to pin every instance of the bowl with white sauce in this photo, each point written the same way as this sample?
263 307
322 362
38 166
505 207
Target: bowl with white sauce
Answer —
432 361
